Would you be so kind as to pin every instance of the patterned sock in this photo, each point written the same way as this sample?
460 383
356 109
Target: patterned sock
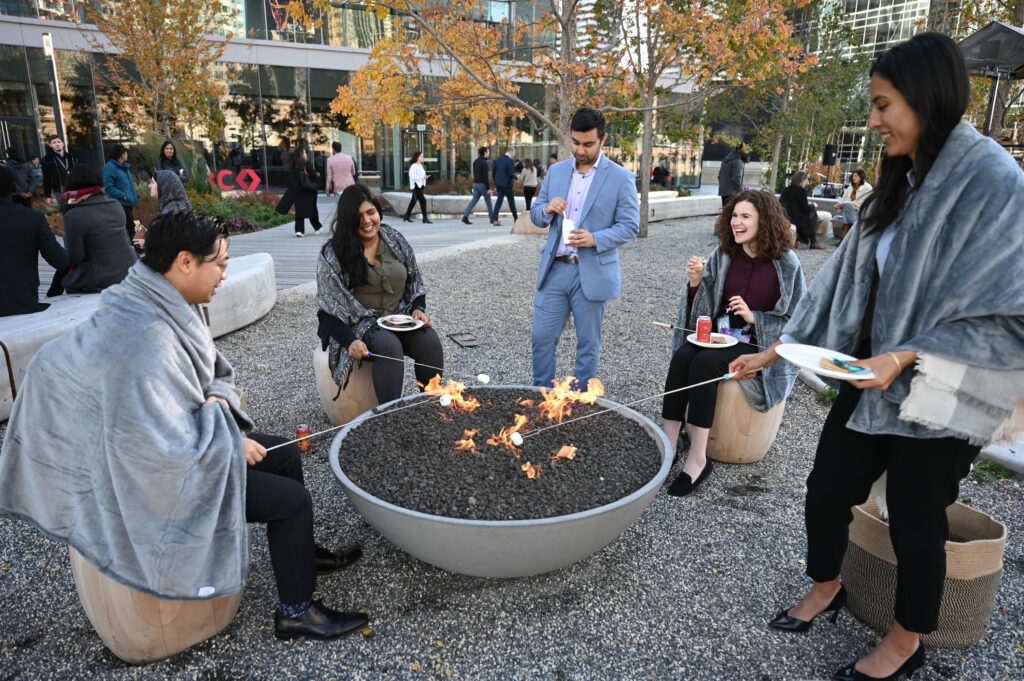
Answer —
294 611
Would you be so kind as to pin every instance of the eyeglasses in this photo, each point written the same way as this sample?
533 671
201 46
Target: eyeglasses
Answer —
221 263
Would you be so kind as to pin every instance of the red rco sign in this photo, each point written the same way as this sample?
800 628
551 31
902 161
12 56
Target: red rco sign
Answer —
247 180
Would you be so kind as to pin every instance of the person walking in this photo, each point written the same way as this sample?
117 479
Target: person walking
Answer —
119 185
57 163
341 171
730 175
304 191
529 180
504 177
481 183
417 181
932 222
581 274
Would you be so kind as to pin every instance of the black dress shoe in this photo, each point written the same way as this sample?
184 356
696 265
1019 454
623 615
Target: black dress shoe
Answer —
426 221
319 622
913 663
330 561
684 484
784 622
407 219
465 220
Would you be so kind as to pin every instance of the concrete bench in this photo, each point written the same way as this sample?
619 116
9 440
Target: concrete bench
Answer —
248 294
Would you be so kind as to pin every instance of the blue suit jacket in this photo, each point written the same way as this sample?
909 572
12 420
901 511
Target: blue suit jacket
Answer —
504 171
611 213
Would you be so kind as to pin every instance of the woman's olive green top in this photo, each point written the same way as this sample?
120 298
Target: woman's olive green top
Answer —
386 282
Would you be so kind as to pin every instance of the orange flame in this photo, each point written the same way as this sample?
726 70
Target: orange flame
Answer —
531 472
565 453
558 399
466 444
454 389
504 438
525 403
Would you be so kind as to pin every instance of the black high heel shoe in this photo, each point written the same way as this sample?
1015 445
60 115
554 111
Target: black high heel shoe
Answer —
784 622
913 663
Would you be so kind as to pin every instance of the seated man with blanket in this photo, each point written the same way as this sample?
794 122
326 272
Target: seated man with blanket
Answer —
147 471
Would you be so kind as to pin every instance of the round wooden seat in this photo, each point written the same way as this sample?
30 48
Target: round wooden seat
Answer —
741 434
140 628
357 397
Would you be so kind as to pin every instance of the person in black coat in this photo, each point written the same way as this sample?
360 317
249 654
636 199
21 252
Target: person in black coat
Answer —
304 190
57 163
24 235
504 178
169 160
801 212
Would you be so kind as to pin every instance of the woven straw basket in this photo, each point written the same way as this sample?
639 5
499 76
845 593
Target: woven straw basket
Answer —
974 564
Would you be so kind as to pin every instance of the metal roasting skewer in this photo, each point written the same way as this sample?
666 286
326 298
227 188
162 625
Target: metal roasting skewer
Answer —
483 378
679 328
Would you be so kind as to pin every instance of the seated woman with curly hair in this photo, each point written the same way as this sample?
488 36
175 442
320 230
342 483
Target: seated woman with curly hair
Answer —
753 281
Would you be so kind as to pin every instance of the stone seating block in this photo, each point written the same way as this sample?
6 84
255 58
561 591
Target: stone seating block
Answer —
357 397
741 434
248 294
140 628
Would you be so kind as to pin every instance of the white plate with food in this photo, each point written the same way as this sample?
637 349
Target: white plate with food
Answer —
399 322
822 361
718 340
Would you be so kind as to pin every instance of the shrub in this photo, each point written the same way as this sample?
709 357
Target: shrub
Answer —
258 210
241 226
460 185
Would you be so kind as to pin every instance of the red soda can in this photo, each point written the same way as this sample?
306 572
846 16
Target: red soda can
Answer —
703 329
305 444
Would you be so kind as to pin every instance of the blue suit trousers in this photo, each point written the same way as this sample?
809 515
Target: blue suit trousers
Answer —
561 294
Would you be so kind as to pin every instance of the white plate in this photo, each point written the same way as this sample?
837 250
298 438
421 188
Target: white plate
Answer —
388 322
729 341
809 356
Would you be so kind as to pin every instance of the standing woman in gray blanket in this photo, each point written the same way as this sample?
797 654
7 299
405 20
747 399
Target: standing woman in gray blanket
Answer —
365 271
927 291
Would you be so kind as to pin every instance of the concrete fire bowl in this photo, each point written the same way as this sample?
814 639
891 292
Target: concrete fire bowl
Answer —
504 548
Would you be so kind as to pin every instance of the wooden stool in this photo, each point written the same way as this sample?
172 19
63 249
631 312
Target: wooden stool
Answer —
357 397
140 628
741 434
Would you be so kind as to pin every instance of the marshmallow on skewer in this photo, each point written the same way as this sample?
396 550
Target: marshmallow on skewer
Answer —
517 439
445 400
483 378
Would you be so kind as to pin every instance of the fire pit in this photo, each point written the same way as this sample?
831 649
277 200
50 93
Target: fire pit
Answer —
448 486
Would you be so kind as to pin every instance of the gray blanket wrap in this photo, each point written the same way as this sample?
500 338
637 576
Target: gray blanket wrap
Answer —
952 286
112 447
774 384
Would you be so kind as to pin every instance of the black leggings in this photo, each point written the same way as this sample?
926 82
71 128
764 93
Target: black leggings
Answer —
417 195
528 193
692 364
275 495
924 478
423 345
129 221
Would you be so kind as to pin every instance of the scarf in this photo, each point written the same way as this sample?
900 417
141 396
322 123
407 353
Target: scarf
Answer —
171 192
76 196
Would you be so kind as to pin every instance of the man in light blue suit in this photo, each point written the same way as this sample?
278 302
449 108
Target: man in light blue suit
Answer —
599 196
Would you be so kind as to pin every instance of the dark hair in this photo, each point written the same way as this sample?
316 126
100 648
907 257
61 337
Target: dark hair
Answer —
588 119
930 73
6 182
32 156
345 232
84 175
553 157
116 152
859 172
797 178
415 156
482 151
772 225
181 230
163 148
50 138
527 163
336 147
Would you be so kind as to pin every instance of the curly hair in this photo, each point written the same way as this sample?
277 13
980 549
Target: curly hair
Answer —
772 225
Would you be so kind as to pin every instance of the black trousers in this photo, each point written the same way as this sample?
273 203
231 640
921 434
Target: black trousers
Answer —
692 364
275 495
423 345
417 195
528 193
924 478
129 221
726 199
509 193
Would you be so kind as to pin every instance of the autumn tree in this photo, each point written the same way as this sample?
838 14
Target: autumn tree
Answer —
159 60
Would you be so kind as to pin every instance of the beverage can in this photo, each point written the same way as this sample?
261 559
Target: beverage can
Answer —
703 329
567 226
302 434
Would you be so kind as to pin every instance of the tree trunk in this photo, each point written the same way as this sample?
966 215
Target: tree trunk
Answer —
645 166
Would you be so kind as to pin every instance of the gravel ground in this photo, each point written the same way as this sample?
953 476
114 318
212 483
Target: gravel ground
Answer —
684 594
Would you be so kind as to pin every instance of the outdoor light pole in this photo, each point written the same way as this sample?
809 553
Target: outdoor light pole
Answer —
51 63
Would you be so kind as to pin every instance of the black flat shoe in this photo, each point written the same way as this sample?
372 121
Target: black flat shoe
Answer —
784 622
426 221
466 221
331 561
319 622
913 663
684 484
